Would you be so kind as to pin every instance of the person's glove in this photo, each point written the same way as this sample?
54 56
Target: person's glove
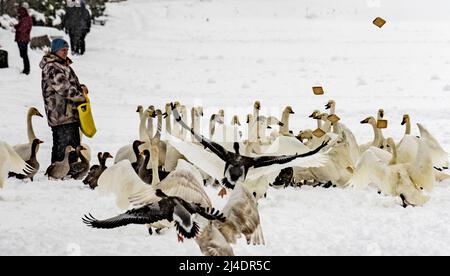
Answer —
84 89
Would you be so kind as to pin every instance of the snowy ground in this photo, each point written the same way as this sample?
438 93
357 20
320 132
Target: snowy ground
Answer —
229 54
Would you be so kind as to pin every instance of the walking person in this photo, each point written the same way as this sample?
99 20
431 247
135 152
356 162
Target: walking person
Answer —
84 25
62 93
23 30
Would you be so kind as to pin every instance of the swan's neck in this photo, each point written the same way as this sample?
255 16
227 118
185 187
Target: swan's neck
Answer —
333 109
150 126
30 130
143 136
195 122
285 120
168 124
155 163
377 135
158 127
212 128
319 123
408 128
394 154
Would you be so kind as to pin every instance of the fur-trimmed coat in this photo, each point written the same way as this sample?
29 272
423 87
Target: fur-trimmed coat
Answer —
61 90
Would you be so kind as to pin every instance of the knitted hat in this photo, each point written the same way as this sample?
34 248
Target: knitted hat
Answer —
58 44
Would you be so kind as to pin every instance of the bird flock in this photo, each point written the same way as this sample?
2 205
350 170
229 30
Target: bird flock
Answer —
159 179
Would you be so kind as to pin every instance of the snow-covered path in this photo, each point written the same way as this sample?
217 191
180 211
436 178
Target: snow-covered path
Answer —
229 54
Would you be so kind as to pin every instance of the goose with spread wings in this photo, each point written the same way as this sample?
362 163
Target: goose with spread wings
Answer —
166 207
232 167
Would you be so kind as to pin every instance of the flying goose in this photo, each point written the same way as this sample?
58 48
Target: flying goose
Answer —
232 167
10 161
24 150
165 207
32 162
96 170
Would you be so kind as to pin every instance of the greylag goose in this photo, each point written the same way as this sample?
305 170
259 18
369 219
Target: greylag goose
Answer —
96 170
33 162
60 169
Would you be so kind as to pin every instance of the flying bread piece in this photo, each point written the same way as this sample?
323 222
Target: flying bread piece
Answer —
318 90
319 133
379 22
333 118
382 124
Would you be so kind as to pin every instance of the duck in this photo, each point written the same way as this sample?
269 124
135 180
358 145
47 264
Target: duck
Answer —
164 207
79 169
11 161
60 169
96 170
33 162
24 150
232 167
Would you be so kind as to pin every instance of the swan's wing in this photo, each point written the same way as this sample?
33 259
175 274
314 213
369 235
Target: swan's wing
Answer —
412 195
439 155
212 242
352 144
123 182
242 212
407 149
23 150
368 168
284 145
421 170
16 163
206 161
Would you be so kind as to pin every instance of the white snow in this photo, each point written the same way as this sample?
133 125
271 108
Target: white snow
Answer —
229 54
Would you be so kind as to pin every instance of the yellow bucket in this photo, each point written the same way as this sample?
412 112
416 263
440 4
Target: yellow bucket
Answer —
86 120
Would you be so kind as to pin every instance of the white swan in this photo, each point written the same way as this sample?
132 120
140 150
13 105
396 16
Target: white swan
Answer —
377 140
126 152
10 161
24 150
404 180
438 154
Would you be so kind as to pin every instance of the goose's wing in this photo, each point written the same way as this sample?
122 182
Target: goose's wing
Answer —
368 169
16 163
182 183
212 242
266 165
121 180
208 162
439 155
145 215
242 215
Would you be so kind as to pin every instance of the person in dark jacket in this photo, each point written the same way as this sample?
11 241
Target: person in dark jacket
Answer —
77 23
62 94
70 25
23 30
85 26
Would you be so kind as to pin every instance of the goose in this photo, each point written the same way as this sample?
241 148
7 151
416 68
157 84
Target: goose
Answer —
164 207
212 242
405 180
80 169
127 152
59 170
10 161
145 174
232 167
242 217
96 170
24 150
138 157
32 162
